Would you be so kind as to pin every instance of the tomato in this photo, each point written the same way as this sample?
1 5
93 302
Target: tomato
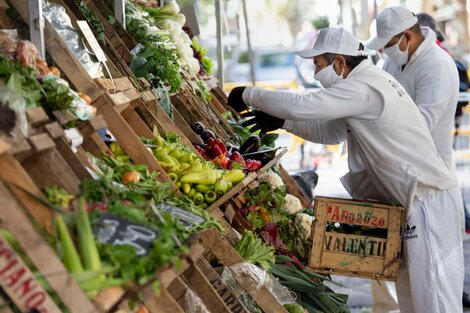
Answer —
54 70
130 177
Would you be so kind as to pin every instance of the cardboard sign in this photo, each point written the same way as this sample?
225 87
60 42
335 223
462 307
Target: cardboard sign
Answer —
20 284
118 231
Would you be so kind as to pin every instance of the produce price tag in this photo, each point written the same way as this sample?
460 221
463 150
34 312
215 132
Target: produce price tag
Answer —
118 231
188 220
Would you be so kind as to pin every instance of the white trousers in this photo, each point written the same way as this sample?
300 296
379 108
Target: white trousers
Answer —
384 297
431 273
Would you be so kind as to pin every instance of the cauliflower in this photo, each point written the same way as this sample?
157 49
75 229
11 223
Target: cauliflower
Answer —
272 178
304 222
292 204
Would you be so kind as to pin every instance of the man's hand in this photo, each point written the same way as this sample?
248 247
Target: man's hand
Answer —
262 121
235 99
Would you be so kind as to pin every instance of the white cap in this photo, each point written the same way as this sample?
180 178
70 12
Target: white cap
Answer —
391 22
333 40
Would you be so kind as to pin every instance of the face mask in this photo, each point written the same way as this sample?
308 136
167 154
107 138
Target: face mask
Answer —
396 55
327 76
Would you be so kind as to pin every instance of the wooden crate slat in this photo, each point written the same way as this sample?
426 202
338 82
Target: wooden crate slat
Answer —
12 172
203 288
120 84
178 290
227 255
216 282
17 280
293 188
49 168
43 257
162 303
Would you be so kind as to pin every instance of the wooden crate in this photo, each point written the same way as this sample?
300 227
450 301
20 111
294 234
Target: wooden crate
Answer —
217 247
357 255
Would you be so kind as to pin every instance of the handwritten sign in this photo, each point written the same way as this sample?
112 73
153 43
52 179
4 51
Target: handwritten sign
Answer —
118 231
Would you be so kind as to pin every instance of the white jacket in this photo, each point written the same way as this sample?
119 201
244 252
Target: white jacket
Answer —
391 153
432 81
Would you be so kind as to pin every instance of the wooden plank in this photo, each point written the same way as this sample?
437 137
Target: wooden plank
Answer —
178 291
158 118
232 192
108 298
4 147
120 83
293 188
72 159
181 123
17 280
204 290
124 97
95 145
12 172
229 298
49 168
99 7
128 139
351 263
355 214
394 239
54 130
163 303
36 116
41 142
318 233
137 124
42 256
226 255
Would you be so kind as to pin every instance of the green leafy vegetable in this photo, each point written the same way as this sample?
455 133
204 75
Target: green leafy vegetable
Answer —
56 96
253 250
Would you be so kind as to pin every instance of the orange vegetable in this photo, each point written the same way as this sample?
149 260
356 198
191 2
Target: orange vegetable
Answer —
54 70
85 97
130 177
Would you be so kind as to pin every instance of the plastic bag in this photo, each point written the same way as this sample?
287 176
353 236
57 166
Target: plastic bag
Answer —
194 304
16 103
59 19
8 43
244 279
280 292
78 108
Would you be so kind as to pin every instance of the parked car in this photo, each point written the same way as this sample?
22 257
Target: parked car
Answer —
273 68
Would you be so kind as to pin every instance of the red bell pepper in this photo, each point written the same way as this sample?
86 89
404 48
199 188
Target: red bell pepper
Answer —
201 151
253 165
237 157
215 147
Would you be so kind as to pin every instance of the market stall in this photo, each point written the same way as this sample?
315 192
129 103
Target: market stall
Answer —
128 185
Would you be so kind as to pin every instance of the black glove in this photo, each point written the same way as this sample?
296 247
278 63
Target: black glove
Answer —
262 121
235 99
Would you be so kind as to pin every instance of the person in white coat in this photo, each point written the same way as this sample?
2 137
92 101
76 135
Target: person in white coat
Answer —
430 77
392 158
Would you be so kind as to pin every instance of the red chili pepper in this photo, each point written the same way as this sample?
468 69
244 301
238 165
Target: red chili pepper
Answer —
219 147
253 165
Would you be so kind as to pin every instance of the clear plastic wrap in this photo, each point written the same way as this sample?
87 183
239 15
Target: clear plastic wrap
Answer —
244 279
16 103
79 108
59 19
8 42
280 292
194 304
